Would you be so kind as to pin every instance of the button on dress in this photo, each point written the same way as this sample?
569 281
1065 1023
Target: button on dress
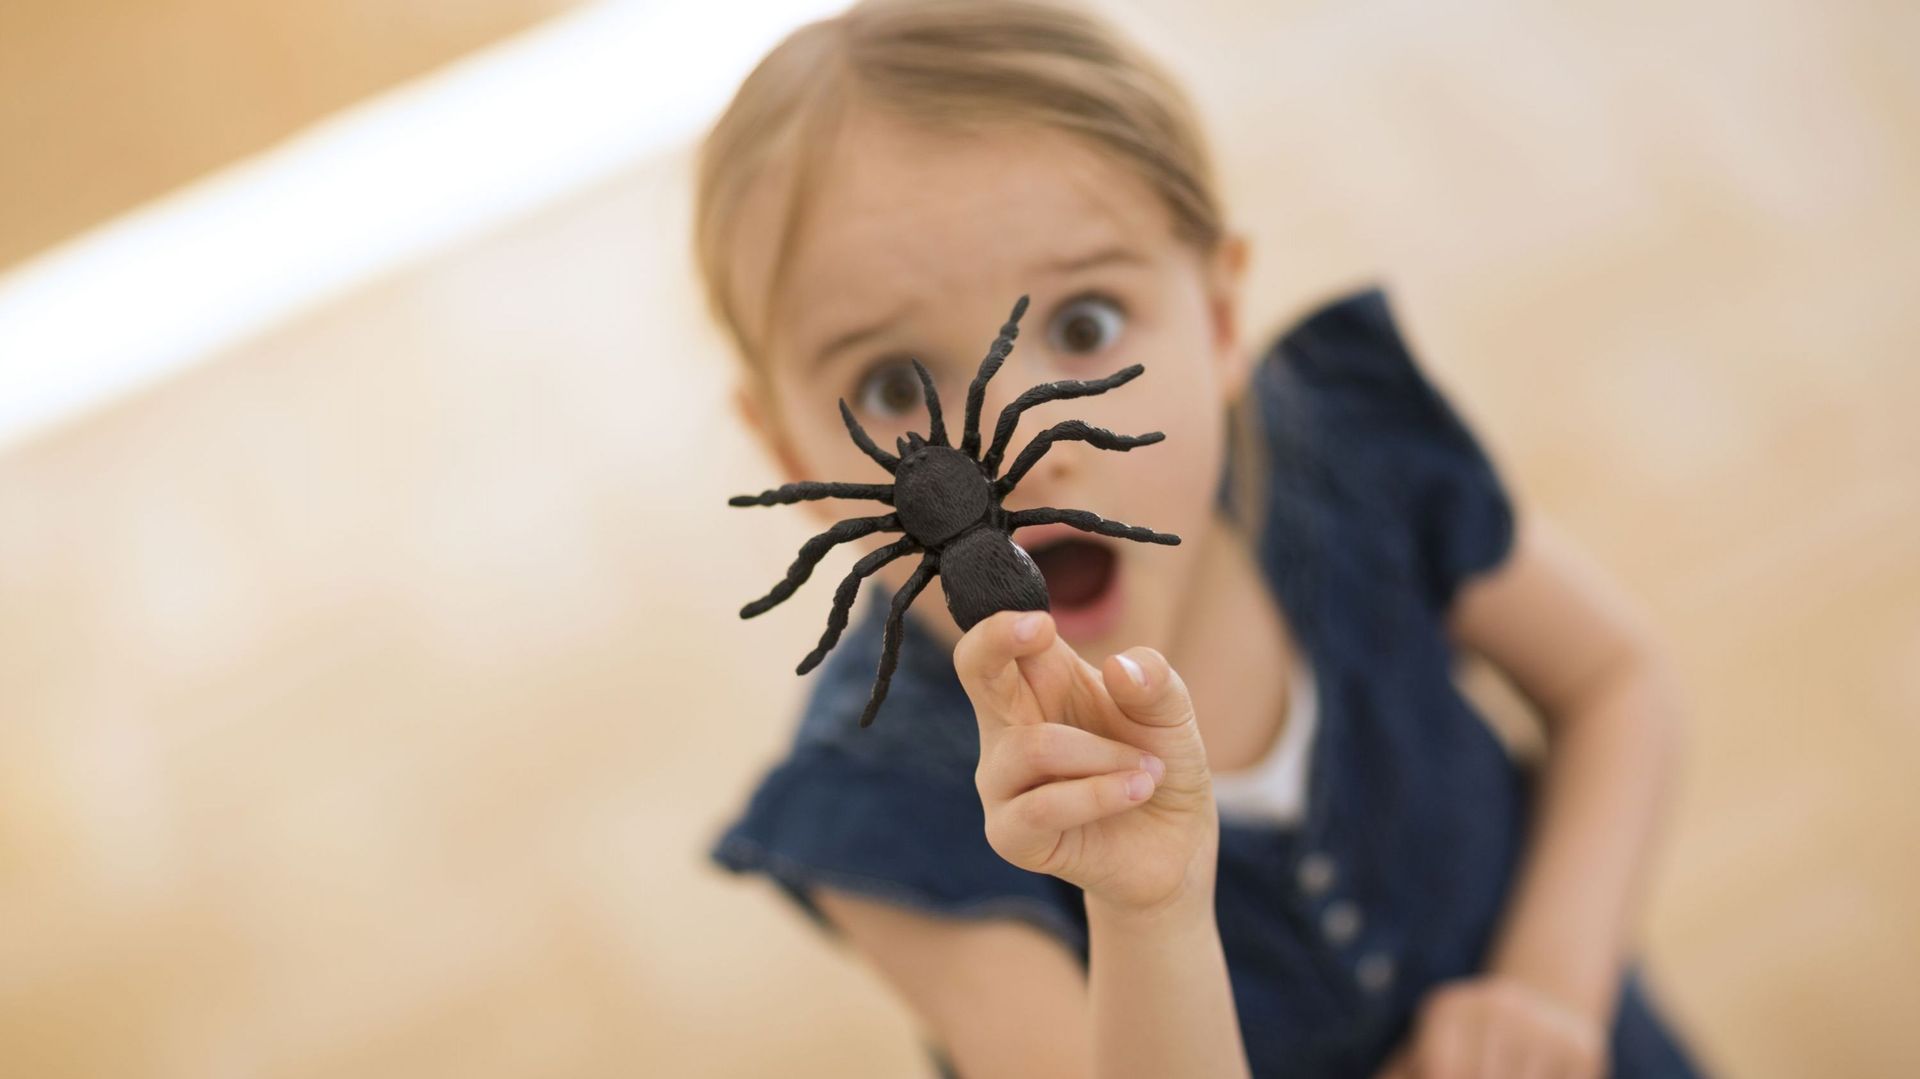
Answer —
1389 878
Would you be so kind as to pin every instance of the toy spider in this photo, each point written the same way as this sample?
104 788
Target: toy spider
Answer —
948 504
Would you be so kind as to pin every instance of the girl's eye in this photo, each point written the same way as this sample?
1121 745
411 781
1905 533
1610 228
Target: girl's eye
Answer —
1086 325
889 388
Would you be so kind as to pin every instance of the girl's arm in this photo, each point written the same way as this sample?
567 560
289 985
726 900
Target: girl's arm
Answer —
1007 1002
1097 776
1161 1000
1572 642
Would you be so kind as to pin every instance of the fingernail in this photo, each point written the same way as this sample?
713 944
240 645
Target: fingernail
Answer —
1139 785
1154 765
1133 671
1026 626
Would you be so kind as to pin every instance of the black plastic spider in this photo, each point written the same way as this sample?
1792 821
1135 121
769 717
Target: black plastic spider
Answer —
948 504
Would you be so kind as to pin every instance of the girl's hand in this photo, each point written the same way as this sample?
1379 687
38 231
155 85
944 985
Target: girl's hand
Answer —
1495 1028
1086 774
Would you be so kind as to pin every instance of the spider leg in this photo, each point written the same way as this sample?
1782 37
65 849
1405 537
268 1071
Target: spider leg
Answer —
977 392
843 598
813 550
887 460
1088 522
809 489
1069 430
936 426
890 653
1041 394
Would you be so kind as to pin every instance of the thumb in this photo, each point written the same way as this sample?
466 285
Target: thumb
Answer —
1156 701
1147 688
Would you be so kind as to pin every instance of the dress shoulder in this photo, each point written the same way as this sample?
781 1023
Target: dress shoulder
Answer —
1384 424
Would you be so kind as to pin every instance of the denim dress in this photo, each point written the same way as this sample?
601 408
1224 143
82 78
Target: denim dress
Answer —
1380 504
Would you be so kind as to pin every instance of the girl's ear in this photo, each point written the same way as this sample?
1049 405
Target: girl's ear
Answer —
1225 274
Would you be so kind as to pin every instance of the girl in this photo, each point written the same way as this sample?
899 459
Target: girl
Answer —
1264 834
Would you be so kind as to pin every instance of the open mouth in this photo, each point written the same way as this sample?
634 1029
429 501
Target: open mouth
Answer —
1079 572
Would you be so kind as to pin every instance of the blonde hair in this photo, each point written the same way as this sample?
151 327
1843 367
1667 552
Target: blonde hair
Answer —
960 63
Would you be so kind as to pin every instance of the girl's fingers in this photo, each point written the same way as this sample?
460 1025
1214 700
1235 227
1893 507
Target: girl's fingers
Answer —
987 661
1147 688
1018 759
1027 828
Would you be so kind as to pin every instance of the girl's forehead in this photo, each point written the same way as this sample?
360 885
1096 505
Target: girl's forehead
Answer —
904 217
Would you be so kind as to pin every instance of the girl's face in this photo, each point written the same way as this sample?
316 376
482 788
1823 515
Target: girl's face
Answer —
917 244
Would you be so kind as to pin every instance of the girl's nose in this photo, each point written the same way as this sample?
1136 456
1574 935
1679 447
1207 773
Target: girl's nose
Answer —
1052 481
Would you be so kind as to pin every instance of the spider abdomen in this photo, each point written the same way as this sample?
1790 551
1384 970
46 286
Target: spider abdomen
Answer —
939 492
983 571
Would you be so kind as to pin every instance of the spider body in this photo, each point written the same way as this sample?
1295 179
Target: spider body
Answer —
939 493
947 503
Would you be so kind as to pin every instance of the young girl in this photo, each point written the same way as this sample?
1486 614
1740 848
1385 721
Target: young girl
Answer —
1256 830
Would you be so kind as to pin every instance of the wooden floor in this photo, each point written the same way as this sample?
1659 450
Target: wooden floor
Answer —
369 695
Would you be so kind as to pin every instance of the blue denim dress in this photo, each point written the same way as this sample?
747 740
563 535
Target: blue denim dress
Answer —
1380 504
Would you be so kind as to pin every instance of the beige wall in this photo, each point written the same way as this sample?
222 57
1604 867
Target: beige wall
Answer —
368 695
105 104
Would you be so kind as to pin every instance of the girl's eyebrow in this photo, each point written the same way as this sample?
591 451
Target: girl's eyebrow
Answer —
853 337
1110 253
1098 257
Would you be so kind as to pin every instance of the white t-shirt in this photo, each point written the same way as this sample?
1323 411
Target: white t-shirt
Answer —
1274 790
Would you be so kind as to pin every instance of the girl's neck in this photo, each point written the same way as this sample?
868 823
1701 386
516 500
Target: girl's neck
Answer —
1232 646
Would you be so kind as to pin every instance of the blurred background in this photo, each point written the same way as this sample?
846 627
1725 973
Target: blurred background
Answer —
371 681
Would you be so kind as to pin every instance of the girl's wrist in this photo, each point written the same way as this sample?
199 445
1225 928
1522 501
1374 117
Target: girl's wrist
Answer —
1180 929
1190 905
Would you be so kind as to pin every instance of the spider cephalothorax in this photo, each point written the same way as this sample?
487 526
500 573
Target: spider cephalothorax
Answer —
947 501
